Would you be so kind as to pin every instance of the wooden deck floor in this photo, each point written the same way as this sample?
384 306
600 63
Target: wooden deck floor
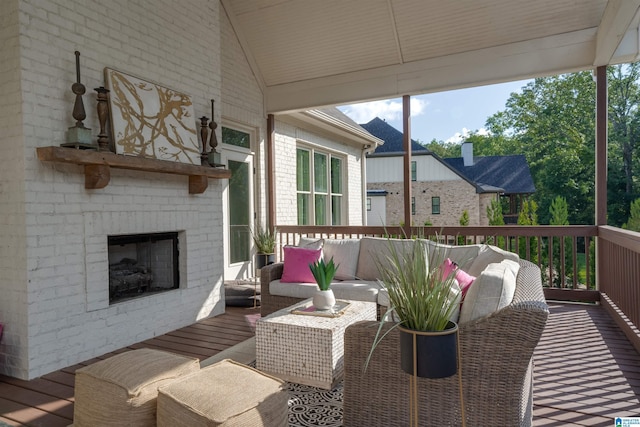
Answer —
586 372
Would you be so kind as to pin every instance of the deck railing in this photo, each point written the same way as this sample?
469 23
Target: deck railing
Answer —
539 244
566 256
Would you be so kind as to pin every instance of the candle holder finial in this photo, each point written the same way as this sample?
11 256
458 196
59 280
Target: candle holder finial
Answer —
79 136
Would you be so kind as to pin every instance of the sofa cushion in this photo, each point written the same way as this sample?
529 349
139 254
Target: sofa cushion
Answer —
492 290
461 255
345 253
489 254
310 242
375 251
357 290
296 264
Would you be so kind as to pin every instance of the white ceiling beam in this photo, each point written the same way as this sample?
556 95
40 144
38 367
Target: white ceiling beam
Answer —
547 56
615 23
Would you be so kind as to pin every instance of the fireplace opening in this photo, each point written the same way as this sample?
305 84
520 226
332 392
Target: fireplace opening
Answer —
142 264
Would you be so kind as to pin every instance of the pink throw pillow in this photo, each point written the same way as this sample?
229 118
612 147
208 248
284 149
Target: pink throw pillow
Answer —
465 280
296 264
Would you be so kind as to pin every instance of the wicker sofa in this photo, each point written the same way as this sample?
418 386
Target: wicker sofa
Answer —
358 272
495 369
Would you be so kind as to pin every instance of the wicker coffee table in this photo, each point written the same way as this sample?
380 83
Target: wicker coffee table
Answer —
307 349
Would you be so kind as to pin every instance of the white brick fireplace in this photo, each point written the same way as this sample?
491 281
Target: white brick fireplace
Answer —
54 300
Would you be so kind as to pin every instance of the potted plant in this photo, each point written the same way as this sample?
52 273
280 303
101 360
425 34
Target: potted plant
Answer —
324 273
265 240
422 300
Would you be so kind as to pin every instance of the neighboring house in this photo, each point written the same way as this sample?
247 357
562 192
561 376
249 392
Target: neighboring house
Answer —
509 173
440 191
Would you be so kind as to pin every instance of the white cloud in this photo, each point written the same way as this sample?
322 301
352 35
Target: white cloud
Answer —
459 137
389 110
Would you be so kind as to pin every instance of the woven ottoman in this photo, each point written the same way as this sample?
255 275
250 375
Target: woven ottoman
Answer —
122 390
226 394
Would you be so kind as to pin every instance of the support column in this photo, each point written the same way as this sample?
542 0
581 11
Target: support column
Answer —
601 146
270 172
406 139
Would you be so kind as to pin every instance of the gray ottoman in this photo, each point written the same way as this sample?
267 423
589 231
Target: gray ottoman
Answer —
226 394
122 390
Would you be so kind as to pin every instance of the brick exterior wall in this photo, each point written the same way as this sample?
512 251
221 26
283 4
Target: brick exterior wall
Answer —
455 197
55 296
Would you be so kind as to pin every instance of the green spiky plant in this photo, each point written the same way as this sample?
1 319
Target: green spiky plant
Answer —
324 273
420 297
265 240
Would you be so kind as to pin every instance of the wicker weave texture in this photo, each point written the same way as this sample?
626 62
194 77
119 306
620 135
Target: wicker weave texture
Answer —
225 394
307 349
123 389
496 361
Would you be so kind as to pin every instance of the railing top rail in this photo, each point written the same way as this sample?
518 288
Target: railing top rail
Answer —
492 230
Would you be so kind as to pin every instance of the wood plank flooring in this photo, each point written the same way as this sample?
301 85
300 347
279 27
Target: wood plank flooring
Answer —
586 371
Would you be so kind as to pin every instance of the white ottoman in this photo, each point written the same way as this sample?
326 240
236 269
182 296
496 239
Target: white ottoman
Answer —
226 394
122 390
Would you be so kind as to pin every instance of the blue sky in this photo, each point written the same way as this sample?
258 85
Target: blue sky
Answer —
445 116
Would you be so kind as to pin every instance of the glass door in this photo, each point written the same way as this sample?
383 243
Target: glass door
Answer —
238 213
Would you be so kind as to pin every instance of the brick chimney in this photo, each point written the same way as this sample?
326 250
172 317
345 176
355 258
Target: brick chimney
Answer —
467 153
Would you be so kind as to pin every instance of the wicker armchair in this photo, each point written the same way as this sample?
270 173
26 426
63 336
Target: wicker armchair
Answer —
496 369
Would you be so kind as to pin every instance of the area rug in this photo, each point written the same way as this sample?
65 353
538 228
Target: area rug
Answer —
311 406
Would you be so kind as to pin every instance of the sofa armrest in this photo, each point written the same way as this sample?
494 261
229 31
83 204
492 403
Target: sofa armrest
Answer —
268 274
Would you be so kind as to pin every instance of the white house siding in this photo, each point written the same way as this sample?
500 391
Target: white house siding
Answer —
55 295
391 169
288 135
377 215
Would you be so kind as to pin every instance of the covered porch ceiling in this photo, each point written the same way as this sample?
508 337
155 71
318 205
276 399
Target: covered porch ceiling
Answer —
308 54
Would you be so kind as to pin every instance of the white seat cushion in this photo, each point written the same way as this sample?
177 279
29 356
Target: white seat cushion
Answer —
358 290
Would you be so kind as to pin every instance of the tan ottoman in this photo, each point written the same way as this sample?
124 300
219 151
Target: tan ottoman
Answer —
225 394
123 389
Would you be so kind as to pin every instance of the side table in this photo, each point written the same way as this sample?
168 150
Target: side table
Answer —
307 349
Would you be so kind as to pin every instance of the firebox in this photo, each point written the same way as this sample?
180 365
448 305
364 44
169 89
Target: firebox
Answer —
142 264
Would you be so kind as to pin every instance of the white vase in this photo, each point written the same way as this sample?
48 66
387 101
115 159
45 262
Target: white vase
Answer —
324 300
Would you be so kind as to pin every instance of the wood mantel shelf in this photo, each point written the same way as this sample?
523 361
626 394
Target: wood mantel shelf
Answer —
98 164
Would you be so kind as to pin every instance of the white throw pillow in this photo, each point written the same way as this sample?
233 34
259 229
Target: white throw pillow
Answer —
489 254
492 290
310 242
344 252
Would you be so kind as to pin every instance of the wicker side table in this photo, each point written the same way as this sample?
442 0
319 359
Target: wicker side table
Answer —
307 349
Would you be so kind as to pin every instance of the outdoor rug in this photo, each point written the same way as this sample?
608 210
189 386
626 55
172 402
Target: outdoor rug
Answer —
311 406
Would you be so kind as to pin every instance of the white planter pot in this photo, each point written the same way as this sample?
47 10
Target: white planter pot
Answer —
324 300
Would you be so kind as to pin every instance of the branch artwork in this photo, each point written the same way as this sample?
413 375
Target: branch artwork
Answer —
150 120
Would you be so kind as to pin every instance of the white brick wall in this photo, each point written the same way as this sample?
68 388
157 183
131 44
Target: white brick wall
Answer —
13 242
288 136
55 304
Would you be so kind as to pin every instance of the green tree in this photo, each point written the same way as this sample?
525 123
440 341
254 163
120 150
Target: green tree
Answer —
634 218
495 217
528 216
560 216
464 221
552 123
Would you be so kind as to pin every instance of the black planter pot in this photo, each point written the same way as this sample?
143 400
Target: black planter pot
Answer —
437 352
264 259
